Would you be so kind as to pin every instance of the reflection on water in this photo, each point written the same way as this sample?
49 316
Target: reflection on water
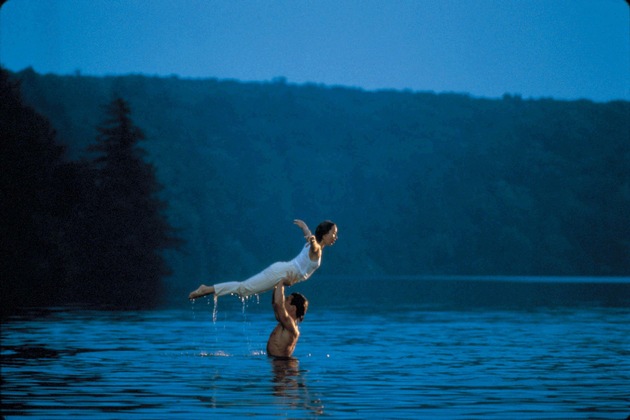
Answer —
290 388
395 361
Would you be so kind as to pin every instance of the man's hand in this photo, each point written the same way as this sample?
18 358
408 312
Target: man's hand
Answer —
290 279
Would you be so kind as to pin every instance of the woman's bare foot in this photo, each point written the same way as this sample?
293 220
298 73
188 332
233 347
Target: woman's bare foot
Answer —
203 290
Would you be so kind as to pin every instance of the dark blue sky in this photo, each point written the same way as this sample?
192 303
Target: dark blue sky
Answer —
566 49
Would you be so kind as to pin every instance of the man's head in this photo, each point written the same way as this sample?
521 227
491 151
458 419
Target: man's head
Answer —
300 303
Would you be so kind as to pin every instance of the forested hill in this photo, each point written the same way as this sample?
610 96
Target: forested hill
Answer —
418 183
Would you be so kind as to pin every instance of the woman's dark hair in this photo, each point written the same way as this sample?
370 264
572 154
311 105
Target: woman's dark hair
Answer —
300 303
322 229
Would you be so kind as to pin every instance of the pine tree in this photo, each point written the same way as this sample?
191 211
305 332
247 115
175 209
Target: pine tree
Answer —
33 203
127 218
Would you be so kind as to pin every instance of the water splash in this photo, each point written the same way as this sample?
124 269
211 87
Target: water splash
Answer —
246 324
215 309
252 345
244 300
218 353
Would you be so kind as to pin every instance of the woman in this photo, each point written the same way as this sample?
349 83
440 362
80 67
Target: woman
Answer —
303 265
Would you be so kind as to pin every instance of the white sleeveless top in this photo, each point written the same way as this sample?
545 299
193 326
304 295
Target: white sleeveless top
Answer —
305 267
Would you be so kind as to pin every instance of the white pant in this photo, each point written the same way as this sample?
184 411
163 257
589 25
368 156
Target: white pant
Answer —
258 283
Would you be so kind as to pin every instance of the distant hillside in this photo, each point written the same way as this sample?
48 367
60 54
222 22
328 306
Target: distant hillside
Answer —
418 183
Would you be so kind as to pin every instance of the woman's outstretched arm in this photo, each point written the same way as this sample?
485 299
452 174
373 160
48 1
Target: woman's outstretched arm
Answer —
315 251
305 230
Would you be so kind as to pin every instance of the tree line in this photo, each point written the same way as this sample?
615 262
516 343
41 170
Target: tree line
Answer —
89 231
419 183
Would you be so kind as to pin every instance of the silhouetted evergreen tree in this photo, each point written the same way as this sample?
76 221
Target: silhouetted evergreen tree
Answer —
37 193
126 216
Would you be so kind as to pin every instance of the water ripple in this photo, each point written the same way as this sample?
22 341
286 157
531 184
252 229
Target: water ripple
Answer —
569 363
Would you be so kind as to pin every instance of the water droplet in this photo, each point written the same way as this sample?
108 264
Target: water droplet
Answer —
215 310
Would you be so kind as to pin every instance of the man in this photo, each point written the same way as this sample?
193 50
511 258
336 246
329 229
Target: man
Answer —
289 312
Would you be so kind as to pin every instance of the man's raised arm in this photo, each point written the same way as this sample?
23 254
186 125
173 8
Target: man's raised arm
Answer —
280 311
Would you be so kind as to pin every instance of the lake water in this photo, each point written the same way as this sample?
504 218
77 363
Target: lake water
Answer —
375 348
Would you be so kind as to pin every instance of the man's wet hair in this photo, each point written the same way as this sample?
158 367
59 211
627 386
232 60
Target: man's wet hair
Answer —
300 303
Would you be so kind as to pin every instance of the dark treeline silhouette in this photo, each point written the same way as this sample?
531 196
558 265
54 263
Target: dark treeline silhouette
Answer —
89 231
418 182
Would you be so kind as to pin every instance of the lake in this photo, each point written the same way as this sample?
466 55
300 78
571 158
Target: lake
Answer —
449 347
